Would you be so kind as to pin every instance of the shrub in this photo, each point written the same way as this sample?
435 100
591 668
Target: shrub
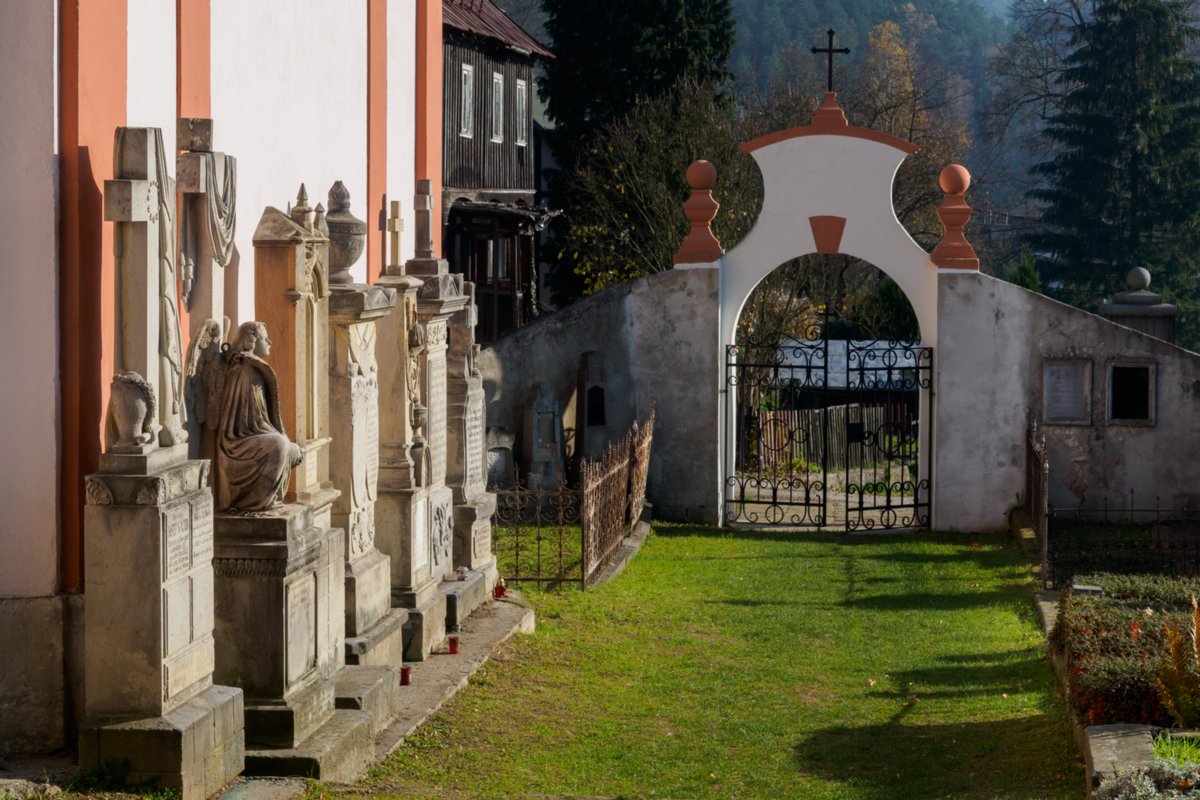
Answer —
1155 591
1159 781
1178 678
1111 689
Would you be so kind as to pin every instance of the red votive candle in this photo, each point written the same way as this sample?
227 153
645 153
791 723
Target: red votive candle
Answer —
406 676
453 645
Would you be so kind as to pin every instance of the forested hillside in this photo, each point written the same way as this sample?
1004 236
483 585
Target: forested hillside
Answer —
954 35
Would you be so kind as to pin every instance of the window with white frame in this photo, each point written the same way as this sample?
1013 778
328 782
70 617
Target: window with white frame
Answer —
497 107
466 114
521 113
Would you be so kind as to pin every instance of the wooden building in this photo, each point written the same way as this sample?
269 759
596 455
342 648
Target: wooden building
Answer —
490 184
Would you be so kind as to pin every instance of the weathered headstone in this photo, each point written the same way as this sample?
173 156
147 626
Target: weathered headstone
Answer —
291 296
373 628
543 438
591 407
500 466
149 697
281 569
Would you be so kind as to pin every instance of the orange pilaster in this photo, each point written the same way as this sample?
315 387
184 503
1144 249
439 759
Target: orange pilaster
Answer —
193 58
429 106
377 132
92 105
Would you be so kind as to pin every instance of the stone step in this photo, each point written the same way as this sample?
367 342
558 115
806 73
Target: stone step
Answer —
339 752
375 690
382 645
463 597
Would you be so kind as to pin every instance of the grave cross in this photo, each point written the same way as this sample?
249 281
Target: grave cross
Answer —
830 50
395 226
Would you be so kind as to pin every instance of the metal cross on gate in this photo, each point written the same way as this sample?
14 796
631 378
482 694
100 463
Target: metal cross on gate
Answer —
830 50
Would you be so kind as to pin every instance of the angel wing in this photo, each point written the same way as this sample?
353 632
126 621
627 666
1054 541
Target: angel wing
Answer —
205 375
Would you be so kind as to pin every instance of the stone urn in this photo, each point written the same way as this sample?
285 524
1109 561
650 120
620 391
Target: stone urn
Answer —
347 235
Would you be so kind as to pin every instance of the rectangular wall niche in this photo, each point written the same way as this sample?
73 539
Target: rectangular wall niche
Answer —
1067 392
1131 394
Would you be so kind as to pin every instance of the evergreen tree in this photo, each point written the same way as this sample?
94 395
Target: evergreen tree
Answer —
1124 189
1025 273
611 55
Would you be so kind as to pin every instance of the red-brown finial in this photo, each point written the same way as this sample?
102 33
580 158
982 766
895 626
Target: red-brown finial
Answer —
830 115
700 246
954 251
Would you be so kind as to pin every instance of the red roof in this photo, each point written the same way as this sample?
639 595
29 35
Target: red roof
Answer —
482 17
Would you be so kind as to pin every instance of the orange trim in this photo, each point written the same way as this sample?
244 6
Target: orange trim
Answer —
193 58
377 133
430 60
827 234
93 84
830 121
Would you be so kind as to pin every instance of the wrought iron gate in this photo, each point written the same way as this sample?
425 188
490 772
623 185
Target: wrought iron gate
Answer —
827 433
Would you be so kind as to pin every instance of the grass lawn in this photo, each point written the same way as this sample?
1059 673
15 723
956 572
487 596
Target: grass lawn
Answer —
748 665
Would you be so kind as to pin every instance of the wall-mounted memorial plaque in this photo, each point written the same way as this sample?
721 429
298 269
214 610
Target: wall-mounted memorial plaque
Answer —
1067 392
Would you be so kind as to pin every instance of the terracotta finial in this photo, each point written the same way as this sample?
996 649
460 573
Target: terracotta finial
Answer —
700 246
954 251
830 115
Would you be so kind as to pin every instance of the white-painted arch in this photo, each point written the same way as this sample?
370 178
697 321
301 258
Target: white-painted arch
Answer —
811 172
829 175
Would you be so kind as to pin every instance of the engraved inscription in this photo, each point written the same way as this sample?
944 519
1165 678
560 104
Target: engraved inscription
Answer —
437 419
202 530
474 436
178 545
481 539
301 627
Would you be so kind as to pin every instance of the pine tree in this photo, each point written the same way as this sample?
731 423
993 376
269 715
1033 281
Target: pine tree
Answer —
612 54
1124 189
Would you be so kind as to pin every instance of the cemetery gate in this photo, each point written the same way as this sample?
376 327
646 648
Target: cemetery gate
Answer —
826 433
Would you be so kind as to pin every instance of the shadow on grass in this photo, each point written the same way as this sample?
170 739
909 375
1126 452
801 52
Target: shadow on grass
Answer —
938 601
1030 757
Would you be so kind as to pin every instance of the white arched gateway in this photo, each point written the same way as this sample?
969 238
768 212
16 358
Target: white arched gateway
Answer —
828 190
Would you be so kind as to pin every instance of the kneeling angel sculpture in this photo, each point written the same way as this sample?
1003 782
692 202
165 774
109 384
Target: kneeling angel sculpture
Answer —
253 457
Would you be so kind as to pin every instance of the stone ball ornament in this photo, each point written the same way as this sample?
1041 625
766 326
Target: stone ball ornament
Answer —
702 175
1138 279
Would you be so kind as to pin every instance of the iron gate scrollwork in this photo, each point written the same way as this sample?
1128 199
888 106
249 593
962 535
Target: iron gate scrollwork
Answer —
827 433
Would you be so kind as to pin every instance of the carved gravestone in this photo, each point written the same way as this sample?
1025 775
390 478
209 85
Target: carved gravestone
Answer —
149 697
591 407
543 438
500 469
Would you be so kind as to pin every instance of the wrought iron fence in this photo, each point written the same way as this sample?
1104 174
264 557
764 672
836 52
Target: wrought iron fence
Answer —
1037 477
1128 540
557 535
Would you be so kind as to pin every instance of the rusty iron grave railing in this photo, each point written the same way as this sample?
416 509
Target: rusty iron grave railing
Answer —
1037 476
555 535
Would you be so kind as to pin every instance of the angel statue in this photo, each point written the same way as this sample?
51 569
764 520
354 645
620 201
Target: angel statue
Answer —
253 457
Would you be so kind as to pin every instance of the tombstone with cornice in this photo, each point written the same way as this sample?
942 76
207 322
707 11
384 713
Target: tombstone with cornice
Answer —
373 628
402 512
291 295
149 697
441 299
467 451
280 569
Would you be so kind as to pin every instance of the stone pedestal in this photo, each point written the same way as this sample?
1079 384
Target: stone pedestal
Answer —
373 628
280 608
291 295
148 643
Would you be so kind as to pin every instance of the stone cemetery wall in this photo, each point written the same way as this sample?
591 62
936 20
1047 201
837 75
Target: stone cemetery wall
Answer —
1003 350
658 337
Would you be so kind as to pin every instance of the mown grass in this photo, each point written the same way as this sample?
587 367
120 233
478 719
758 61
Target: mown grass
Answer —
764 665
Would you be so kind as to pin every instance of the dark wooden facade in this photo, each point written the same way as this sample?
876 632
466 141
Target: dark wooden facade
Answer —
477 167
490 188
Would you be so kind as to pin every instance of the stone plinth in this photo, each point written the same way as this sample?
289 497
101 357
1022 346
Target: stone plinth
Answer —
291 295
372 628
280 605
148 642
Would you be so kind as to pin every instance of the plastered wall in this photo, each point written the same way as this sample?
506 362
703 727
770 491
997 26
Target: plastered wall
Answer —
993 340
29 300
303 116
